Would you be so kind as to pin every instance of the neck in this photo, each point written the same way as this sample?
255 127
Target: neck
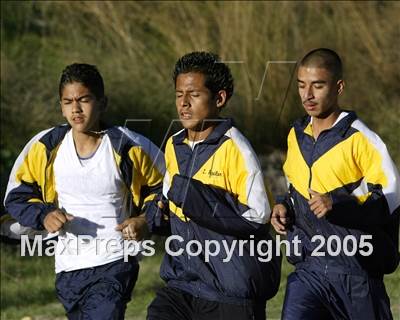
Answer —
196 135
86 142
320 124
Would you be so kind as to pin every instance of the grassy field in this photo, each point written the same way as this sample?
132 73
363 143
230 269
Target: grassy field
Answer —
27 288
135 45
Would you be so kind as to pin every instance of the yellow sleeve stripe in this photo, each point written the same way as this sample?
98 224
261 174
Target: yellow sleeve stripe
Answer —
177 211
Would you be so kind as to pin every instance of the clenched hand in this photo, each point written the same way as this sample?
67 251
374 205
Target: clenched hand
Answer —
55 220
320 203
134 228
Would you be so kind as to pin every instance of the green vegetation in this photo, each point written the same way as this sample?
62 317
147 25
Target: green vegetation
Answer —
27 287
135 45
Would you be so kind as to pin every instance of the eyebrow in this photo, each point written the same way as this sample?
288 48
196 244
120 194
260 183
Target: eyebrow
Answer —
316 81
190 90
79 98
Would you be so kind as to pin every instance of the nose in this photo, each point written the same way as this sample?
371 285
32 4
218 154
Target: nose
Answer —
76 107
184 101
308 93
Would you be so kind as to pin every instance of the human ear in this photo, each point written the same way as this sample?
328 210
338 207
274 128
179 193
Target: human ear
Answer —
340 85
221 98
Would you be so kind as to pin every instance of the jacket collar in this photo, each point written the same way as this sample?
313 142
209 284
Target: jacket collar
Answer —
214 137
340 126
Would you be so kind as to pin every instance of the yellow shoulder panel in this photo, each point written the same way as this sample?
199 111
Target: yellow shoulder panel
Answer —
336 168
295 167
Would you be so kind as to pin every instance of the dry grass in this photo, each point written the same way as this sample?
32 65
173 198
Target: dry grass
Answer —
135 45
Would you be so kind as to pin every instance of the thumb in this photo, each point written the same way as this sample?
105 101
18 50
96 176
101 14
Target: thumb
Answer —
120 226
312 192
275 210
69 216
160 204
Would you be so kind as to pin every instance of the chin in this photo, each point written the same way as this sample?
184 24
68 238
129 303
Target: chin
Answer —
79 128
313 113
191 124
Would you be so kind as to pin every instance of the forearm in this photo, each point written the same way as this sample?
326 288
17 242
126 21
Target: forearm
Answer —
213 208
29 214
348 212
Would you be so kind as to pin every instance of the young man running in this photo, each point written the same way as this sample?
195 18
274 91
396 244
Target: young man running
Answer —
343 204
216 192
83 181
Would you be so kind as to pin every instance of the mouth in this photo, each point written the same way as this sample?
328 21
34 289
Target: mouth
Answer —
309 105
77 119
185 115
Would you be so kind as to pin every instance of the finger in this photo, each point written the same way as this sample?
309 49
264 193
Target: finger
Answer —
49 228
52 223
277 220
125 236
281 213
59 216
321 214
130 231
68 216
279 209
120 226
276 224
312 192
160 204
314 206
313 200
275 210
55 225
327 203
125 233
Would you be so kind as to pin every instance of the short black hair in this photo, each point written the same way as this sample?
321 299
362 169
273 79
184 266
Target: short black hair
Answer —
217 74
83 73
324 58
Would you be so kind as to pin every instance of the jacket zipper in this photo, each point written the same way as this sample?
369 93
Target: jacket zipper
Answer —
308 221
187 171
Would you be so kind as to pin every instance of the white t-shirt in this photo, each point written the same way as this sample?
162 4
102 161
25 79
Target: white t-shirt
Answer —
192 144
95 194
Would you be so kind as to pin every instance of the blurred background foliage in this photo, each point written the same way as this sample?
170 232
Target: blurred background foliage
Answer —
135 45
